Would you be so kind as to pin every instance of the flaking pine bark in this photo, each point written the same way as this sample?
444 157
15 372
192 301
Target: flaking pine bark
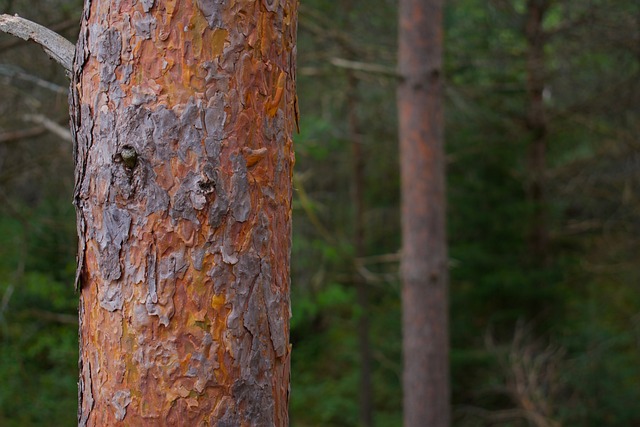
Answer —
182 114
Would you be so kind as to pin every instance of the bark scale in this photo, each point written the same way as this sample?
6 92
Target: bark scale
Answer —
182 112
424 253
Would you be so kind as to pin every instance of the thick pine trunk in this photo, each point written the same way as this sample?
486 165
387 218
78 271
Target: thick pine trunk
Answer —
424 252
183 113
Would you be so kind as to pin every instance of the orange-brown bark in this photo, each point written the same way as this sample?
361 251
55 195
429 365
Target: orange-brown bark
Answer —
183 113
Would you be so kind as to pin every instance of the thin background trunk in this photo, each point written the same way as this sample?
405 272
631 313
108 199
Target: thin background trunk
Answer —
362 294
424 253
538 127
183 114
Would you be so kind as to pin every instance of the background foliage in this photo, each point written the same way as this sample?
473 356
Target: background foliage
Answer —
543 344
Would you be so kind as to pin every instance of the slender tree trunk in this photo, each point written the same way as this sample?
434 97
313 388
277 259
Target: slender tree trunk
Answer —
362 294
538 128
182 113
424 253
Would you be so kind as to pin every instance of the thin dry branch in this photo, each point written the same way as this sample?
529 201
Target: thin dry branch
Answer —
50 316
12 72
56 46
364 67
50 125
59 27
18 135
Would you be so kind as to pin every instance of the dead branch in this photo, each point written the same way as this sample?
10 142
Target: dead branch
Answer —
16 73
364 67
50 125
50 316
17 135
59 27
57 47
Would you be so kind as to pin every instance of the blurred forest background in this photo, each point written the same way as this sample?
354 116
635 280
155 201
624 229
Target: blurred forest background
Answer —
542 131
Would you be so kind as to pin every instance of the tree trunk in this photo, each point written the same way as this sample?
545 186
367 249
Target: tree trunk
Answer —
183 114
424 253
537 125
362 293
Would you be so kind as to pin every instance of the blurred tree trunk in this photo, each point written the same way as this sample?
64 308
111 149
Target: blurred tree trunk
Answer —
362 294
424 252
537 124
183 114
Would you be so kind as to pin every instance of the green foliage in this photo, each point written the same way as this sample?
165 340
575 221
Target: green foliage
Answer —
39 339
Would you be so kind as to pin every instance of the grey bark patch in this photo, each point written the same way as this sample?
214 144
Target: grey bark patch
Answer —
170 268
212 11
165 126
127 70
228 249
147 5
144 24
256 322
135 128
220 206
140 316
109 45
262 234
157 198
120 400
85 393
213 147
163 312
107 131
83 144
215 117
185 202
203 363
142 95
273 301
257 401
116 223
245 271
197 258
152 354
225 414
151 276
191 129
111 298
240 197
220 273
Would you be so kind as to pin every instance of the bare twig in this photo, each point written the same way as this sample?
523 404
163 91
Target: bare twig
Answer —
532 378
16 73
17 135
379 259
307 206
56 46
50 316
50 125
59 27
364 67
